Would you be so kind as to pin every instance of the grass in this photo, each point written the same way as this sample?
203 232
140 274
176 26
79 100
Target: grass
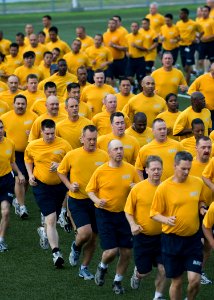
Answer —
26 270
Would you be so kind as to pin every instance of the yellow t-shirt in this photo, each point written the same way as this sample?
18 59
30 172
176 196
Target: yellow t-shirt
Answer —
3 86
143 138
139 41
5 46
122 100
22 72
169 33
84 110
63 46
94 95
42 154
165 150
76 60
138 205
39 51
185 118
187 31
156 21
33 97
170 119
204 84
130 144
8 97
149 36
208 220
189 145
207 26
197 170
168 81
86 42
45 70
106 180
151 106
118 38
35 132
12 63
60 81
71 131
78 160
98 56
7 156
4 107
17 127
180 200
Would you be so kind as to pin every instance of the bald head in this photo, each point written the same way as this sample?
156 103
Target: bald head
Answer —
33 40
114 144
116 153
52 104
148 85
110 102
197 101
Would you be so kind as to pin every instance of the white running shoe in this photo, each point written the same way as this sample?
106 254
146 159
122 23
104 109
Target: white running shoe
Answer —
58 259
23 213
43 241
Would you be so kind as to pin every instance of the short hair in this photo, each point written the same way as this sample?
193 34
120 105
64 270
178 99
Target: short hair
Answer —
77 41
169 16
47 17
19 96
72 85
29 54
53 29
49 84
185 10
123 78
118 17
81 68
99 71
207 7
57 49
168 96
182 155
42 32
32 76
47 52
196 121
202 138
91 128
146 19
15 45
100 35
20 34
139 115
48 123
116 114
66 101
152 158
81 27
158 120
61 60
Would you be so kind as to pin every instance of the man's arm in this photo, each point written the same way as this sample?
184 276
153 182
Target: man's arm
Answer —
165 220
208 182
135 228
99 202
209 235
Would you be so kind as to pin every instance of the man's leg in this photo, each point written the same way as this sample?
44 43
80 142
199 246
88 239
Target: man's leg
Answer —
5 214
20 191
160 282
175 290
194 280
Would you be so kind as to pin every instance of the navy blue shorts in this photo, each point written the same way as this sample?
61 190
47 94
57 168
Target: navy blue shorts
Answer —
206 50
136 66
83 212
117 69
114 230
49 197
181 253
149 65
21 163
7 184
187 55
147 252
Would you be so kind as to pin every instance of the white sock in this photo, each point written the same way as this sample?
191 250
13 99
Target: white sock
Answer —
83 267
103 266
118 277
1 239
158 294
63 209
22 206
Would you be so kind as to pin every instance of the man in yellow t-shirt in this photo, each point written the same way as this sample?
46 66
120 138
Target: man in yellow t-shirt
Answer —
164 146
93 94
130 144
147 101
46 21
37 48
45 64
82 77
7 161
71 127
168 79
109 200
182 126
13 60
4 44
170 115
42 158
207 226
139 129
146 232
32 93
75 58
125 93
80 206
13 90
179 215
4 107
86 40
55 42
52 112
20 41
18 123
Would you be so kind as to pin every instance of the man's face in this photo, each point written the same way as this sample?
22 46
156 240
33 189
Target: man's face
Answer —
75 93
154 171
182 15
13 83
111 103
167 60
148 86
204 149
20 106
205 12
118 126
199 103
19 40
32 85
116 152
76 45
125 87
33 40
80 33
145 25
134 28
198 130
62 66
140 125
173 103
98 40
153 9
99 79
52 106
46 22
29 29
82 75
13 51
72 108
182 170
112 25
55 55
89 140
48 135
41 38
168 21
48 58
50 91
29 61
160 131
53 36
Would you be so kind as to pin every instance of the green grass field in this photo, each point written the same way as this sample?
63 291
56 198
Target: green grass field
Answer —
26 270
